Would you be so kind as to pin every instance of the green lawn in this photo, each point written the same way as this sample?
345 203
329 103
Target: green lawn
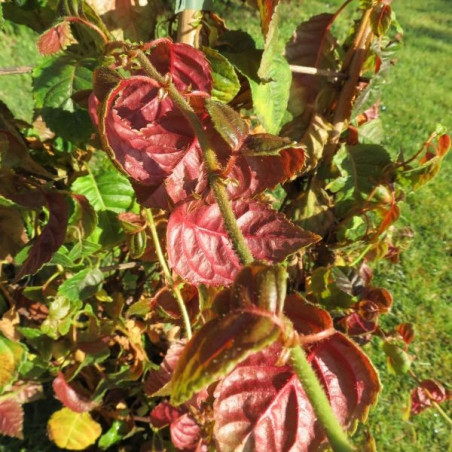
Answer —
418 95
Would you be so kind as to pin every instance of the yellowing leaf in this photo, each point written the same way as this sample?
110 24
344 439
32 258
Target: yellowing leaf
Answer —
10 357
73 431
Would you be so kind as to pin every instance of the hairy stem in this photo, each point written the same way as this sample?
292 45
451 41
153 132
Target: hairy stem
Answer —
210 160
319 401
167 273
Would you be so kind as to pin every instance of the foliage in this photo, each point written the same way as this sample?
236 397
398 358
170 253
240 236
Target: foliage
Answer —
269 237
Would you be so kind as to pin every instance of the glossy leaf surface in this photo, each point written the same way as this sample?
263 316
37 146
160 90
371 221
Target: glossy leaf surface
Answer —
69 397
200 251
218 346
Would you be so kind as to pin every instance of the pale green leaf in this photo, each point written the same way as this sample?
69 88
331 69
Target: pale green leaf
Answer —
82 285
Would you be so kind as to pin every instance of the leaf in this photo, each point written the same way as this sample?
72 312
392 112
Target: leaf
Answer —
82 285
261 405
69 397
228 123
362 168
271 94
51 238
127 20
427 393
56 79
11 355
218 346
84 217
109 190
199 249
145 136
312 45
186 434
165 414
56 38
225 81
380 18
188 67
157 379
266 11
399 362
73 431
12 232
11 418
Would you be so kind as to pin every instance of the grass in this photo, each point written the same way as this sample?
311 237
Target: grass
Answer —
418 95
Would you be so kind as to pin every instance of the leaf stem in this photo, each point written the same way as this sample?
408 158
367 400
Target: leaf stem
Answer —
209 157
319 401
167 273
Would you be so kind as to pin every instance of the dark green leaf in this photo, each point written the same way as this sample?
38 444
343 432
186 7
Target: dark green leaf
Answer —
82 285
56 80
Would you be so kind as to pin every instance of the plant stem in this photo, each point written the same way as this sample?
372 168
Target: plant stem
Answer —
210 160
167 273
15 70
319 401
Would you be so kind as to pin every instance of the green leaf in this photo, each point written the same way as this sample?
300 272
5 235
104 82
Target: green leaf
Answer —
264 144
219 346
380 18
82 285
56 80
399 362
362 168
73 431
271 94
228 123
113 435
225 81
108 190
11 355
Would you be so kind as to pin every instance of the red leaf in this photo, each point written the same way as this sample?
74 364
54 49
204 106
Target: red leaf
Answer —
406 330
266 10
188 67
55 39
426 393
165 414
145 135
199 249
156 379
11 418
185 433
69 397
51 237
262 406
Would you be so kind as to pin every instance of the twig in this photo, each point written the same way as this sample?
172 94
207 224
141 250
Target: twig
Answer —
188 27
210 159
167 273
314 71
124 266
15 70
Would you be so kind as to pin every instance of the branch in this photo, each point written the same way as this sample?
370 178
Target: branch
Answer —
210 159
167 273
319 401
15 70
314 71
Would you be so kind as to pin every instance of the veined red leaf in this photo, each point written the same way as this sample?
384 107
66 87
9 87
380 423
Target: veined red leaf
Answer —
69 397
145 135
199 248
165 414
51 237
186 433
218 346
380 18
188 67
425 394
56 38
406 331
11 418
262 405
